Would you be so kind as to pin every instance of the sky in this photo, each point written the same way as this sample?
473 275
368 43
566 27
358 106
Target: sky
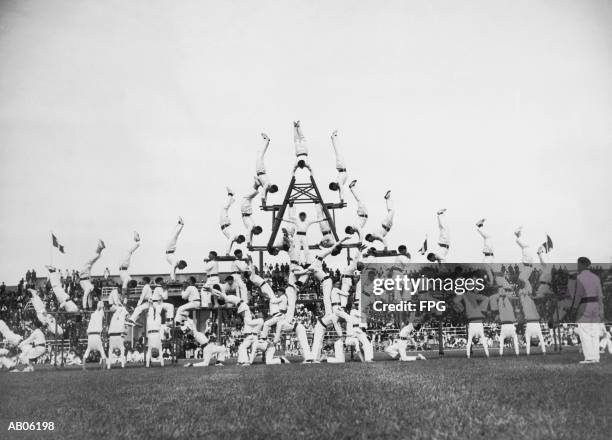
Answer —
119 116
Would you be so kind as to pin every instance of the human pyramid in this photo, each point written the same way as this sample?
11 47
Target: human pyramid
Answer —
260 336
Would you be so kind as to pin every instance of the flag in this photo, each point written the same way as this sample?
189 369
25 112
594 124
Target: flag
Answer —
548 244
424 247
56 243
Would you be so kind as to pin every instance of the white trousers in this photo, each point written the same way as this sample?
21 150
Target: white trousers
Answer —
94 343
116 343
209 351
476 329
508 331
534 330
589 340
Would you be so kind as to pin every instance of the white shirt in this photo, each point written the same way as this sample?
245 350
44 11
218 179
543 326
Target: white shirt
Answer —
191 294
154 318
338 296
117 323
254 326
274 305
159 294
211 268
95 322
145 294
36 338
239 266
406 331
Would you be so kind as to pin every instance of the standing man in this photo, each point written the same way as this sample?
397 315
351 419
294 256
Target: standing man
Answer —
125 264
94 335
250 332
589 313
85 275
301 234
171 258
338 185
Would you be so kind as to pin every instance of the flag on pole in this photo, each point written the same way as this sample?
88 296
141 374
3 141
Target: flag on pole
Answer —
548 244
57 244
424 247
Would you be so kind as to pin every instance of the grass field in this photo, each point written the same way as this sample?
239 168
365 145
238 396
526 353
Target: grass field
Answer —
452 397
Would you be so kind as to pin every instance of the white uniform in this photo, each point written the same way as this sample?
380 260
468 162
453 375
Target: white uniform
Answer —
328 238
339 300
154 334
238 267
525 251
340 165
85 276
329 317
125 264
171 256
606 340
10 337
300 239
62 297
209 349
250 331
42 315
278 309
289 323
33 346
301 146
487 248
157 296
116 334
114 300
357 337
400 345
246 210
263 285
386 225
94 335
443 238
260 167
362 211
474 304
226 224
193 298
